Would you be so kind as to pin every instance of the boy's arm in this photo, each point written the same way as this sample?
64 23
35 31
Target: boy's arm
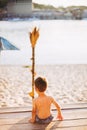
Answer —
32 120
59 116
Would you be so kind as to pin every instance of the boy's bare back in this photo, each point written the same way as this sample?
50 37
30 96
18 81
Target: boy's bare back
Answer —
43 105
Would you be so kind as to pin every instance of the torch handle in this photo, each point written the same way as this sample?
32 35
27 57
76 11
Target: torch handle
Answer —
33 69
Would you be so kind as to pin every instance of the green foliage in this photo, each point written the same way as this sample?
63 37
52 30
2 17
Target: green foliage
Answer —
78 7
41 6
26 66
3 3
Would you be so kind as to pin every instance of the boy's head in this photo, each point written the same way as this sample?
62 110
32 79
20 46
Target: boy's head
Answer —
41 84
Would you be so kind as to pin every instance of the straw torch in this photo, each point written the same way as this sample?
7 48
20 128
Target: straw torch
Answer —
34 35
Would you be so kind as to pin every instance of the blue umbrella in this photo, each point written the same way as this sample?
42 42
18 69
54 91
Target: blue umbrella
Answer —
6 45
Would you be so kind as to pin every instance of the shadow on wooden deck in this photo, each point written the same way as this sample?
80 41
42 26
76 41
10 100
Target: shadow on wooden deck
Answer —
75 118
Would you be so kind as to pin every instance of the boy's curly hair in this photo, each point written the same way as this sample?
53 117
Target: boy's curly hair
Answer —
41 84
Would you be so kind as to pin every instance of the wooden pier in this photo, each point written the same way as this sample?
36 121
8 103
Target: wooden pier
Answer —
16 118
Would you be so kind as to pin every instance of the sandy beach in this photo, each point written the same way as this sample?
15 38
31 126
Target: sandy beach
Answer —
66 83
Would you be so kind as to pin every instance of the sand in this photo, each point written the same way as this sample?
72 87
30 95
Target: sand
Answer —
66 83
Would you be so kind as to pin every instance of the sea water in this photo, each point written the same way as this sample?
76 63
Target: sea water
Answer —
60 42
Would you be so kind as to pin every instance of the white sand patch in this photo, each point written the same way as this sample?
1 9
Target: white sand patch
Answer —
66 83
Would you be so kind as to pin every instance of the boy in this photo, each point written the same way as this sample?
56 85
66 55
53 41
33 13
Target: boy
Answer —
42 104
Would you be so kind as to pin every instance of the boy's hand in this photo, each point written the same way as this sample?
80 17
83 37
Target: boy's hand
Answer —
60 117
31 120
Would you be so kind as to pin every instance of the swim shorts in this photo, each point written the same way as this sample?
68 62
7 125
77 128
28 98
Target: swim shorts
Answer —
44 121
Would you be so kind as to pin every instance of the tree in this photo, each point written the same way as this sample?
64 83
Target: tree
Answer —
3 3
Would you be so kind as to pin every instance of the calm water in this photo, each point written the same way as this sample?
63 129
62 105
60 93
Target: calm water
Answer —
60 42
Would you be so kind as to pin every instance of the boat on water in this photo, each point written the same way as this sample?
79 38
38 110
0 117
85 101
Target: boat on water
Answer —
6 45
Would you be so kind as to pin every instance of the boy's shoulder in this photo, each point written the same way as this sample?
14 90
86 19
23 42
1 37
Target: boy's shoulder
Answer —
51 98
46 97
38 98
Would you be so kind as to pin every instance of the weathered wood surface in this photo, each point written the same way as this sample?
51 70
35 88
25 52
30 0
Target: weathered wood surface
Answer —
75 118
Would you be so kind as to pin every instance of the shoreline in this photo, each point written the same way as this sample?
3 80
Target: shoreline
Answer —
73 14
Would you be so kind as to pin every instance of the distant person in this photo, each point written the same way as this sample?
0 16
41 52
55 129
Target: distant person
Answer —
42 104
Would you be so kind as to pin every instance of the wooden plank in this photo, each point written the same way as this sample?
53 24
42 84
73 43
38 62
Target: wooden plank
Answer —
52 126
13 118
73 114
71 106
23 127
63 107
67 124
75 118
15 109
67 114
14 121
71 128
15 115
74 106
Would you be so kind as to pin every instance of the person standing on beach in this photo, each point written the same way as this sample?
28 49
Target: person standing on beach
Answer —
42 104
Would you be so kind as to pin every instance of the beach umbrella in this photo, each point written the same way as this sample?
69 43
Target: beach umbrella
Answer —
6 45
34 35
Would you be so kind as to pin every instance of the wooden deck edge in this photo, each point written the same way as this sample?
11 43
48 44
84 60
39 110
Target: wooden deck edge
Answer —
29 109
